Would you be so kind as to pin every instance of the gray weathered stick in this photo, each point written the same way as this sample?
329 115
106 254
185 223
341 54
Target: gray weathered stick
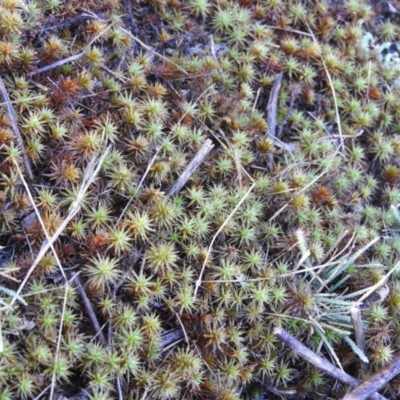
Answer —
191 167
171 336
375 382
89 310
318 361
272 107
15 128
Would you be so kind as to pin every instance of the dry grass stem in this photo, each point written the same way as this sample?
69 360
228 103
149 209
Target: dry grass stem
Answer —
199 280
90 174
328 75
380 283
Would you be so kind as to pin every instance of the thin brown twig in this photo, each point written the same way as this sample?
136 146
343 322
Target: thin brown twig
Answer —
318 361
89 310
15 128
288 30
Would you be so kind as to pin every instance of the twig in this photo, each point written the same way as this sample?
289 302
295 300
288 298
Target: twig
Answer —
272 110
56 64
191 167
15 128
66 23
171 336
131 19
119 389
89 310
70 58
288 30
375 382
154 159
318 361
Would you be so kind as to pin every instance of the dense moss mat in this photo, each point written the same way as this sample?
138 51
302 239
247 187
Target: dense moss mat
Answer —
289 220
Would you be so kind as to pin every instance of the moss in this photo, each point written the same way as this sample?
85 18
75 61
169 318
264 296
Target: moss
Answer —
223 261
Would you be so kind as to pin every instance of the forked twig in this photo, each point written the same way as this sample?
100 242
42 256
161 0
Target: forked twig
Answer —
318 361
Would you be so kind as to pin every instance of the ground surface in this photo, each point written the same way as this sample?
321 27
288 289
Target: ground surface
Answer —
116 286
